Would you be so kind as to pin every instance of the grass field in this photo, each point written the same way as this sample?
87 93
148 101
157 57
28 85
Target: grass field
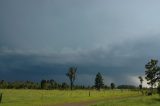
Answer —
52 97
133 101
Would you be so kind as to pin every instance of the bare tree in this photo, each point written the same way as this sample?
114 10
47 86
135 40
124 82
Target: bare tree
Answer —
141 82
71 75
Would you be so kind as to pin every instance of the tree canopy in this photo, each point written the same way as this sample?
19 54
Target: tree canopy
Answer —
112 86
152 72
99 81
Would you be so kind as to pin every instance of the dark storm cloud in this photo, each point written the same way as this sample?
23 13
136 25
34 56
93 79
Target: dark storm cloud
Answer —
114 63
41 39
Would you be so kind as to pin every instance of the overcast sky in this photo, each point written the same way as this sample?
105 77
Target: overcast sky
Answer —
41 39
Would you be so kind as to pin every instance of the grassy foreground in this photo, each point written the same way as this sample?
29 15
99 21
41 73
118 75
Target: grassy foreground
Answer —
133 101
52 97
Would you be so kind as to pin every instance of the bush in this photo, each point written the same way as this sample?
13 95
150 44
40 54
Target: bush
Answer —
0 97
126 87
158 89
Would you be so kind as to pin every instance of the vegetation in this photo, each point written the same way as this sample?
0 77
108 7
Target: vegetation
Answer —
141 82
44 84
0 97
99 81
19 85
158 88
72 75
112 86
51 84
126 87
152 72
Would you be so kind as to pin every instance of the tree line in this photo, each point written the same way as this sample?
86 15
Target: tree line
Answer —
53 85
43 84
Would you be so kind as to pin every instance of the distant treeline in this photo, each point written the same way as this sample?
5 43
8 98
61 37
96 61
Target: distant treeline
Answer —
44 84
51 85
126 87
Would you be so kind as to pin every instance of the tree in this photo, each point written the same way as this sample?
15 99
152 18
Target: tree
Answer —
43 84
112 85
71 75
99 81
141 82
3 84
64 85
152 72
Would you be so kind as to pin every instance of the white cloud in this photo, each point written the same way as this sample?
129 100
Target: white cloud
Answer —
135 80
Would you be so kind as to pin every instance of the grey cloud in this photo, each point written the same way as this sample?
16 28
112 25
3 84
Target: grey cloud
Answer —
41 39
73 24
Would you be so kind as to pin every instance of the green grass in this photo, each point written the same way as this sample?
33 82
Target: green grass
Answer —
133 101
51 97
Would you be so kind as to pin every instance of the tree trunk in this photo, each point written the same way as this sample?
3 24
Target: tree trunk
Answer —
152 88
71 85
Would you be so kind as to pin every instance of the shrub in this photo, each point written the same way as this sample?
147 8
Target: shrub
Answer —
0 97
158 89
